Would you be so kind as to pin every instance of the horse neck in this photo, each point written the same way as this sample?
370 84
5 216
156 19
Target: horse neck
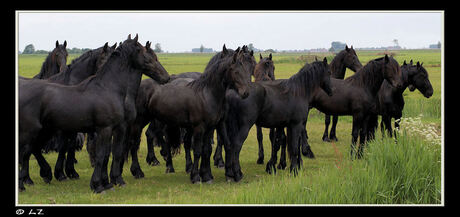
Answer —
79 71
119 77
304 84
371 79
338 67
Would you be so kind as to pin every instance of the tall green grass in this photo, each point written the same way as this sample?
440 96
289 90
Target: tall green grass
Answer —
406 172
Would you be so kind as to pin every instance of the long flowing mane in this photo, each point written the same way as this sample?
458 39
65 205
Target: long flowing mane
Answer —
368 74
118 57
210 75
304 81
48 64
65 75
336 65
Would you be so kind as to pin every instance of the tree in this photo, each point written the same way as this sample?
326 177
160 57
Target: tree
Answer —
29 49
201 48
395 41
157 48
337 46
250 46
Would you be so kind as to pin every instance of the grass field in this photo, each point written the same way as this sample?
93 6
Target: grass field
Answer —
390 174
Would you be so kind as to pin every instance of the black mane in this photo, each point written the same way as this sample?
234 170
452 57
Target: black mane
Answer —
304 81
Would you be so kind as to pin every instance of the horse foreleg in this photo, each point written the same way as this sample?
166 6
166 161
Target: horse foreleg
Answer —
260 138
222 138
99 180
293 138
327 121
118 151
205 167
187 146
282 144
70 160
134 140
197 147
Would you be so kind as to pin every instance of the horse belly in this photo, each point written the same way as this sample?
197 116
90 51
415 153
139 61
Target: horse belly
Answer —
76 111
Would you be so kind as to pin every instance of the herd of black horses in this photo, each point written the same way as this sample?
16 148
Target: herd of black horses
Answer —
101 97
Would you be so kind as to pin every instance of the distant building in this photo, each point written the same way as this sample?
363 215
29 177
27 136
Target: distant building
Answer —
435 46
205 50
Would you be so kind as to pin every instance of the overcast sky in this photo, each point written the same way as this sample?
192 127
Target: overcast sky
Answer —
179 31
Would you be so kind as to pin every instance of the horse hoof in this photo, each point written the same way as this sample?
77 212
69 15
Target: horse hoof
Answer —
110 186
47 180
61 178
333 138
170 170
325 139
229 179
98 189
28 181
260 161
73 175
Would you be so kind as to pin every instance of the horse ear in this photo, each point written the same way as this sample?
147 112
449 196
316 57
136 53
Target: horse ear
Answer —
346 48
260 56
386 59
129 36
224 50
325 61
421 64
251 53
411 62
57 43
135 38
418 64
147 45
351 47
235 55
237 50
114 46
404 63
270 56
106 45
316 58
65 43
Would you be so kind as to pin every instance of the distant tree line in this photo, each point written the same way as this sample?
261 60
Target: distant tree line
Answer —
30 49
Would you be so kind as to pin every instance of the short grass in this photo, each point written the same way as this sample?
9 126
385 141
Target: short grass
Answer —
320 180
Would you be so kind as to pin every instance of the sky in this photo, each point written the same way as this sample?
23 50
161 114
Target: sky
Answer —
180 31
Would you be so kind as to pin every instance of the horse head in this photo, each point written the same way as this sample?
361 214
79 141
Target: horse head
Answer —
418 78
145 59
392 72
265 69
350 60
59 55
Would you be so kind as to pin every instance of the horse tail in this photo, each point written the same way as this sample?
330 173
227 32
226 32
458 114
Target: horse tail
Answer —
173 139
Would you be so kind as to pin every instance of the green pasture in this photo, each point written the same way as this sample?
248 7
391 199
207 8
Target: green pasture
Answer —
331 178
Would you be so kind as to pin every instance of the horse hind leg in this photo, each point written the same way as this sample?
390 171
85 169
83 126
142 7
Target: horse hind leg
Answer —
332 134
151 159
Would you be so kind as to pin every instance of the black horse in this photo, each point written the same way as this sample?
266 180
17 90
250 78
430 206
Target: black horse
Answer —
199 105
55 62
390 101
356 95
273 104
155 132
344 59
263 71
102 103
81 68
